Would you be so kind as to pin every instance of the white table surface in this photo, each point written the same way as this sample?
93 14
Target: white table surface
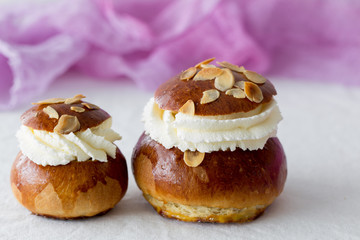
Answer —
321 200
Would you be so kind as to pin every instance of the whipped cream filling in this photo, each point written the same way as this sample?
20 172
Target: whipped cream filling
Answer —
248 131
51 148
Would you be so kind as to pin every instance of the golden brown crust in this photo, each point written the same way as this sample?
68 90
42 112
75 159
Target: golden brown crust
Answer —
173 94
37 119
225 179
204 214
78 189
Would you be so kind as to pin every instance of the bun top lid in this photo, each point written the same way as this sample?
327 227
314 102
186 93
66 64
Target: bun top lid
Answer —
209 90
63 115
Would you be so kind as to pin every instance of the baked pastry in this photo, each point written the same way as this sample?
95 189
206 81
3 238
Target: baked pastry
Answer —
209 152
68 166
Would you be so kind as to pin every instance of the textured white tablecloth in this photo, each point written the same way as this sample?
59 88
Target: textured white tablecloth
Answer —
320 134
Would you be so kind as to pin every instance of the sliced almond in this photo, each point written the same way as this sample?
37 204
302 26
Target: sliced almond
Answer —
90 105
236 93
210 96
188 108
207 61
51 112
208 66
208 74
240 84
67 124
188 73
253 92
231 66
50 101
77 109
77 98
254 77
225 81
193 159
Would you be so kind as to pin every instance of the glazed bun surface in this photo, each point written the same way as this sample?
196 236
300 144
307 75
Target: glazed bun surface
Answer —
224 180
37 119
173 94
75 190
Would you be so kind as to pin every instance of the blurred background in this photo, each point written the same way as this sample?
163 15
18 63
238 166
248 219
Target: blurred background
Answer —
149 41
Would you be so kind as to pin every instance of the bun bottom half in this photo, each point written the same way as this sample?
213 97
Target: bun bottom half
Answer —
228 186
74 190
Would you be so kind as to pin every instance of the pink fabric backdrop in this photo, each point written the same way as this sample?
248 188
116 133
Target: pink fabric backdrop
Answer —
149 41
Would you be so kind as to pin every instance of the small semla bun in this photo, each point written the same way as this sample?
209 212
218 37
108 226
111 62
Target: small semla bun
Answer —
77 189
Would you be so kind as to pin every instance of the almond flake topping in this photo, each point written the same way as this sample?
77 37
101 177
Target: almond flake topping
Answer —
77 109
225 81
51 112
77 98
210 96
188 74
236 93
90 106
193 159
208 66
253 92
50 101
208 74
231 66
207 61
188 108
240 84
67 124
254 77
